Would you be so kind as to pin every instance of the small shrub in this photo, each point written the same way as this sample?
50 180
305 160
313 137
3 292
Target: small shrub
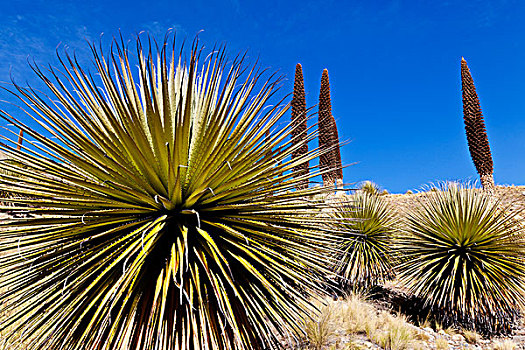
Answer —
422 336
441 343
352 314
451 331
471 336
359 316
320 331
394 333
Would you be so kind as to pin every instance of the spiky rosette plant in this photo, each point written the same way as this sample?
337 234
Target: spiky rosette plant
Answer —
478 142
367 257
463 254
300 127
369 187
160 218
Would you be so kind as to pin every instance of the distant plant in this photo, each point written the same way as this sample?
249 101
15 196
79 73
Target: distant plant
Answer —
477 139
385 192
13 177
20 139
162 218
367 257
337 155
464 255
328 161
369 187
409 192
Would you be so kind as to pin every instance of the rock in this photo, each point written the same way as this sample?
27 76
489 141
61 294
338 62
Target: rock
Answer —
428 330
458 338
520 339
368 344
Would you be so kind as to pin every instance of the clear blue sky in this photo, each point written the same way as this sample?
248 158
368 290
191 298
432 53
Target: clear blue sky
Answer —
394 67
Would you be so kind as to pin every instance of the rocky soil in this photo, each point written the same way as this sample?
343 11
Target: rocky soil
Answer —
513 199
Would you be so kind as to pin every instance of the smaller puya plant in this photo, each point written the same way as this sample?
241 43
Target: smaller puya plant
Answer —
463 253
367 256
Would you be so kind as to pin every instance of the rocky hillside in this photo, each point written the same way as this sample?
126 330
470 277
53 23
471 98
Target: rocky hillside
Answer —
374 322
357 323
510 196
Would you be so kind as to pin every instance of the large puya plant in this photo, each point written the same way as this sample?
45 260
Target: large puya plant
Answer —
160 217
463 255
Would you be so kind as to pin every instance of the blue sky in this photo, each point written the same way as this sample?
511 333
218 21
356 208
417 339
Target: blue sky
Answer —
394 68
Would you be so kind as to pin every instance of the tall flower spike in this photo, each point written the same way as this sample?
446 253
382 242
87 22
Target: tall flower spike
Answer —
337 155
20 139
299 125
326 137
477 139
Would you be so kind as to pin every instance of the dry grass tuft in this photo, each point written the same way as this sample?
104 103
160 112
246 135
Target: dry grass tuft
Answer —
471 337
320 332
357 317
441 343
506 344
394 333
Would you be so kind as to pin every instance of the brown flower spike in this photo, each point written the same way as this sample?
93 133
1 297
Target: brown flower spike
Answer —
329 162
299 121
478 142
337 155
20 139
